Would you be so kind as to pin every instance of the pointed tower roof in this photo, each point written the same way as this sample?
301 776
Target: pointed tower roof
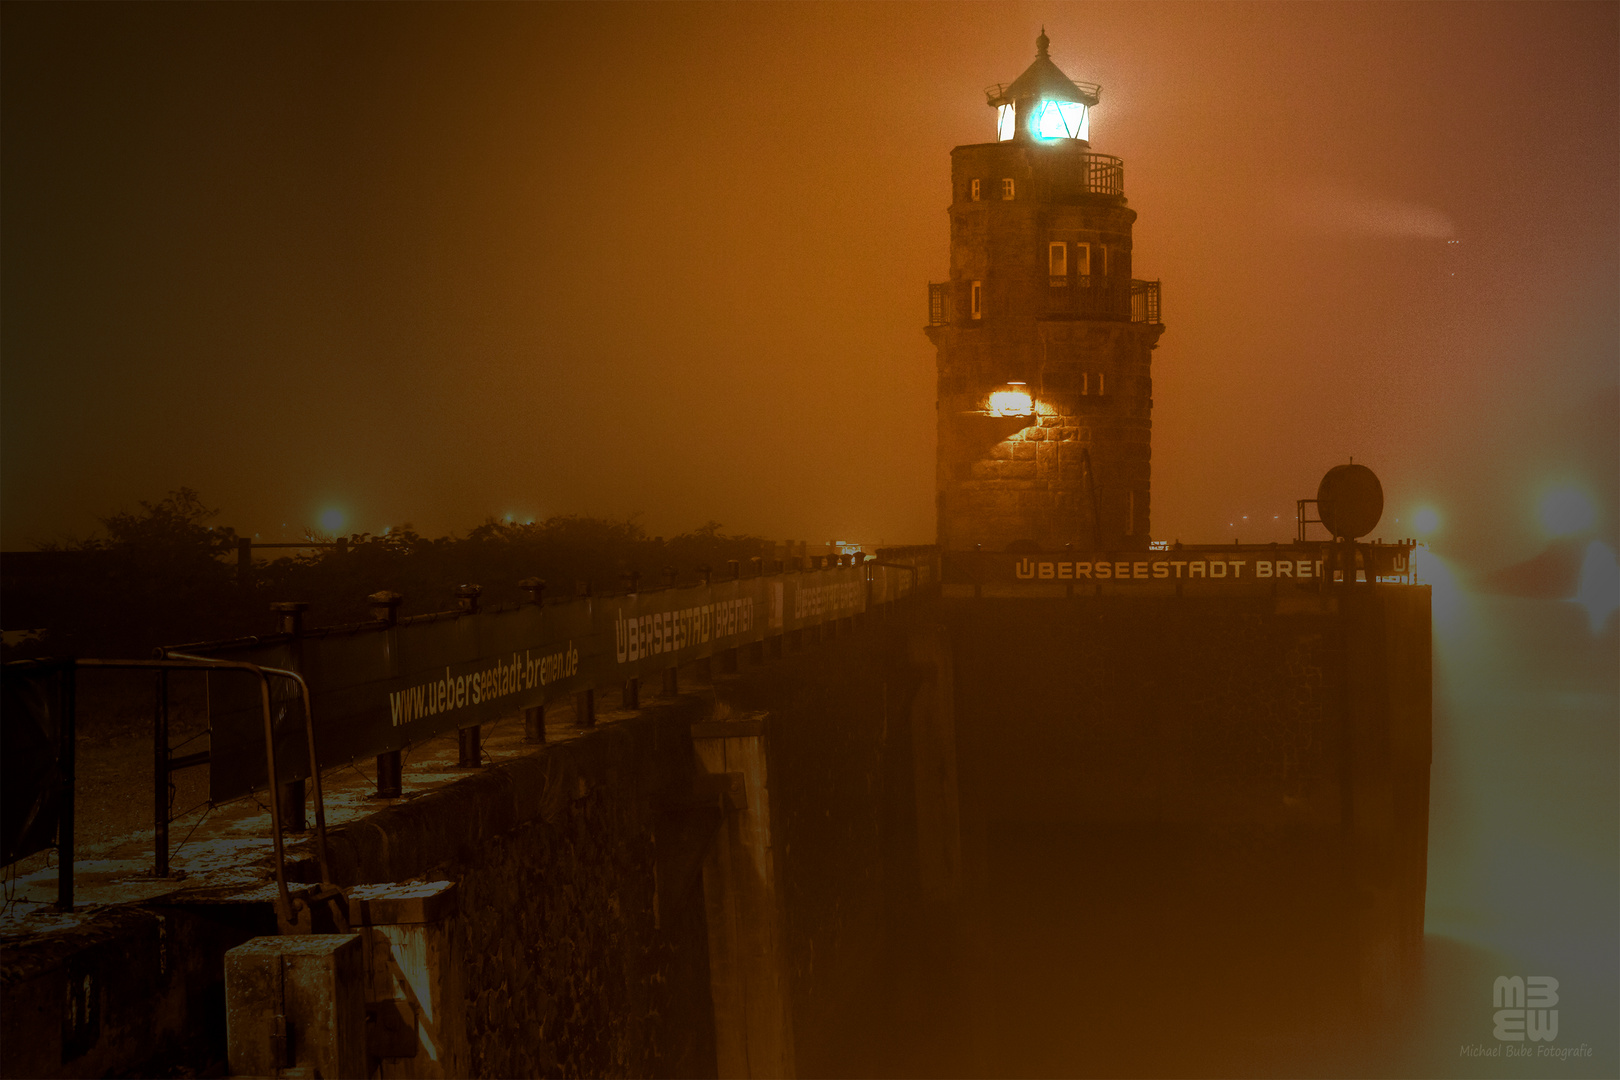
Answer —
1042 80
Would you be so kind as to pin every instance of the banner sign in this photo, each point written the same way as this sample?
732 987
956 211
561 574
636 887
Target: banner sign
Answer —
377 688
1262 564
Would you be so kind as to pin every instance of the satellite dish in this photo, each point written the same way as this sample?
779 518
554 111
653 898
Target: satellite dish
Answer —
1350 500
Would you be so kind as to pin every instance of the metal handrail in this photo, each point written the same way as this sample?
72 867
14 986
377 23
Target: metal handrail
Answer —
293 916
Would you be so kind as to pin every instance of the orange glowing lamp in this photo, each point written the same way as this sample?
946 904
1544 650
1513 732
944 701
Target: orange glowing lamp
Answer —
1015 400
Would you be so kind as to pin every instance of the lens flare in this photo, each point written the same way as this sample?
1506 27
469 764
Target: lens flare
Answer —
1566 511
1426 521
332 519
1599 590
1451 606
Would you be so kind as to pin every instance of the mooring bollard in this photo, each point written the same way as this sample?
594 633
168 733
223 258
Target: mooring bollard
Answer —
534 724
585 708
632 693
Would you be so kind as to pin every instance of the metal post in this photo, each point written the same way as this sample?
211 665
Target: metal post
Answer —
632 693
536 589
469 752
390 775
390 766
534 724
290 620
66 764
160 777
585 708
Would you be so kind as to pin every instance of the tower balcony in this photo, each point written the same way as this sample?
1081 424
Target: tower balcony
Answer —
1084 296
1074 175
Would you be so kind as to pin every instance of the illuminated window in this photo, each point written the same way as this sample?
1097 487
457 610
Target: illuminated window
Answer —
973 190
1007 189
1082 259
977 293
1060 120
1057 259
1006 121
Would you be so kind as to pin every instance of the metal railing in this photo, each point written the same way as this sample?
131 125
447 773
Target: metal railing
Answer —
1145 303
939 303
1100 174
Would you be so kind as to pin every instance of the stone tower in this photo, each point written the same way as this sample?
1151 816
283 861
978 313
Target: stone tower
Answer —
1044 340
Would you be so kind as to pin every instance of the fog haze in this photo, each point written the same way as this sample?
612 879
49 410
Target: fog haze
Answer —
431 263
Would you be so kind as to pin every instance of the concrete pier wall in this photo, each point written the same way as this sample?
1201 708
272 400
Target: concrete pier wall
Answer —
1153 833
587 894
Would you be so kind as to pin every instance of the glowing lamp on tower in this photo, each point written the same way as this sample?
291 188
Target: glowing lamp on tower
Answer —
1043 103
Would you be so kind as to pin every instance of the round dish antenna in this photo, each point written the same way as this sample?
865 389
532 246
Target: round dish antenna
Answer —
1350 500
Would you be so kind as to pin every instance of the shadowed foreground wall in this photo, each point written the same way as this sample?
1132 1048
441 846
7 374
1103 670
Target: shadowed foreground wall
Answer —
579 920
1210 815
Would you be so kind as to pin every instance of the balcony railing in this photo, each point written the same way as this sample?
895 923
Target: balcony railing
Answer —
1145 303
939 303
1104 174
1074 175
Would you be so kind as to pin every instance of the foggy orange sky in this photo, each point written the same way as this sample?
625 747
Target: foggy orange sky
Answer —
430 263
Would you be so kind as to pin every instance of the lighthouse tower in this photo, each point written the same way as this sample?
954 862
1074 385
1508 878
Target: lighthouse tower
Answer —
1044 340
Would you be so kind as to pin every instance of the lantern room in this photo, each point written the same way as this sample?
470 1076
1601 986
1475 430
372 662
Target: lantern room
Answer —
1043 103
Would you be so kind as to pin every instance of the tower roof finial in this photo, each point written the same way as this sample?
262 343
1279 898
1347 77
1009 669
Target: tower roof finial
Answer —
1042 42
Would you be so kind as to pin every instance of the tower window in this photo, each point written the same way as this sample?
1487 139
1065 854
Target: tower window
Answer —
1007 188
976 292
1006 121
973 190
1057 259
1082 259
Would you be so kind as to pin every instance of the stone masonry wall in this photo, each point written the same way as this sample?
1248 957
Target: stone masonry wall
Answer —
842 821
580 913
